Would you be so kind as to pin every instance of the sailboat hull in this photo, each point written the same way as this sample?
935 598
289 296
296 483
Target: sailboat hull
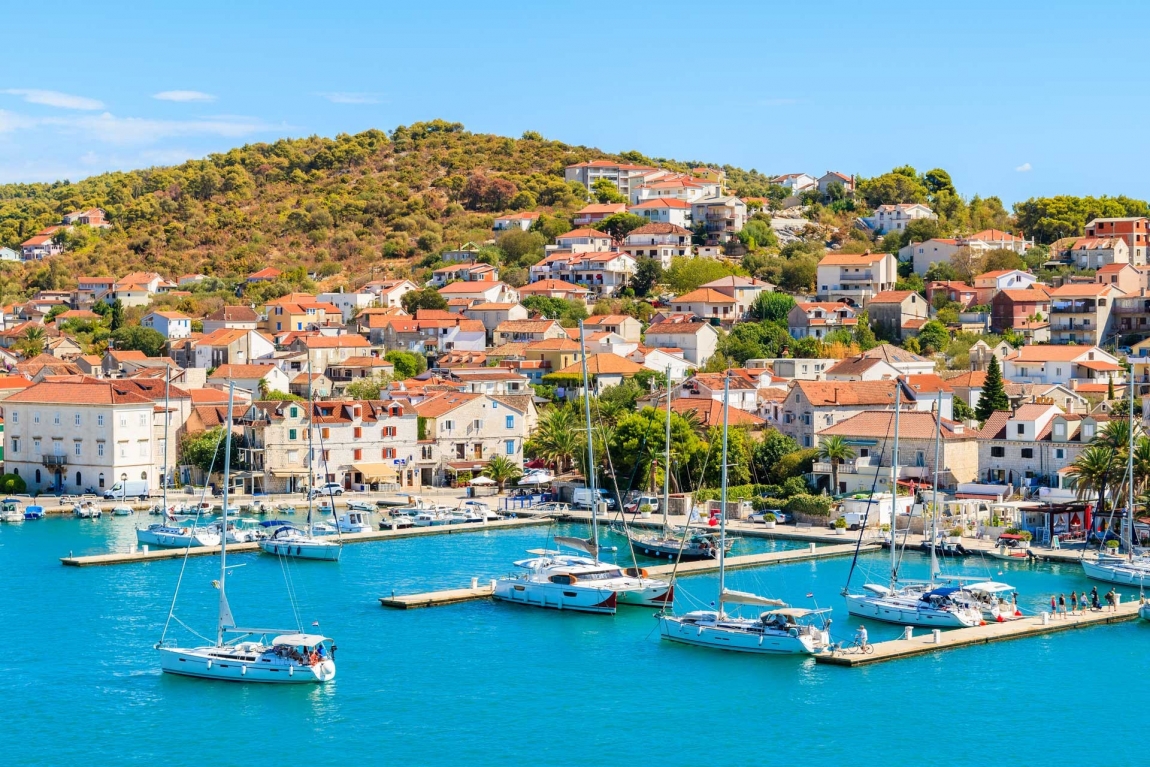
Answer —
1120 572
739 637
220 664
555 596
318 550
908 612
645 593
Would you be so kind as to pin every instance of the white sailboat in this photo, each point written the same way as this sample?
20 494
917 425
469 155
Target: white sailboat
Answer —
563 582
289 657
780 630
919 604
289 540
1126 569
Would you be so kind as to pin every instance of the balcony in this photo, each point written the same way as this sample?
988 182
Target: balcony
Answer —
55 460
863 277
1073 307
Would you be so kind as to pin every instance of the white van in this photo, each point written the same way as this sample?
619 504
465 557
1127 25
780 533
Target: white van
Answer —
135 488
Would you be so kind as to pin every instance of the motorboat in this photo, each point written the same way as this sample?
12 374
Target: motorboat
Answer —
547 508
480 509
692 546
1144 611
781 630
86 510
10 511
34 512
285 508
996 601
465 516
397 522
944 547
258 507
290 657
1010 547
122 511
431 518
242 530
360 506
553 585
387 503
289 541
914 605
287 659
354 522
172 536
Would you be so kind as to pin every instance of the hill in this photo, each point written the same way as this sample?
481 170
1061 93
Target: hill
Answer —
341 206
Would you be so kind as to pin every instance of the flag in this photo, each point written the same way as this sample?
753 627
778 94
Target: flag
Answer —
315 623
811 595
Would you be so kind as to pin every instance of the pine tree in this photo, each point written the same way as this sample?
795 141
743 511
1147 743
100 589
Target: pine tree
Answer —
1110 388
993 393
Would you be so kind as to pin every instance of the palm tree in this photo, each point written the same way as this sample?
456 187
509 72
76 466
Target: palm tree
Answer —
836 450
1142 464
1096 468
557 439
31 343
502 470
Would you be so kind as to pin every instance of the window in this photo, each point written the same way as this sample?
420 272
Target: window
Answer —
388 452
294 413
510 422
36 446
15 416
123 419
100 419
357 454
357 432
143 419
101 479
997 451
36 417
510 445
1059 453
100 453
142 446
1021 428
15 444
76 421
291 433
76 449
448 425
56 418
123 449
325 432
1027 452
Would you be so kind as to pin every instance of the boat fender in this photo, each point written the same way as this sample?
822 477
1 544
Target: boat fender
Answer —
291 670
999 619
792 632
209 665
637 572
244 670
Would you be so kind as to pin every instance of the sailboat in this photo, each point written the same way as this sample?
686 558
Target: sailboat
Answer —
169 534
290 657
583 583
1125 569
290 541
780 630
697 544
911 604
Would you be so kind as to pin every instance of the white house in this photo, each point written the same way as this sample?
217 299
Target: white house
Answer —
390 292
660 360
855 278
481 291
349 304
696 339
664 210
721 217
7 254
254 379
660 241
522 220
1060 364
894 218
172 324
796 182
927 252
583 241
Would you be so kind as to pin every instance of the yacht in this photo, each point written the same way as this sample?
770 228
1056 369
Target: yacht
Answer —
1123 571
559 584
431 517
913 605
290 657
86 510
360 506
122 511
782 630
172 536
10 511
480 509
34 512
354 522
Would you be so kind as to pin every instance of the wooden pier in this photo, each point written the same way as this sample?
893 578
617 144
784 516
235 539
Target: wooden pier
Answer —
454 596
924 643
132 557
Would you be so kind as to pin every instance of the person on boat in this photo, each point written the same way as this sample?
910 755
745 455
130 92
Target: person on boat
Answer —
862 638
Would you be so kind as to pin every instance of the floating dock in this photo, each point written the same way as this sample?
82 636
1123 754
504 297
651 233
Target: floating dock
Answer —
132 557
455 596
925 644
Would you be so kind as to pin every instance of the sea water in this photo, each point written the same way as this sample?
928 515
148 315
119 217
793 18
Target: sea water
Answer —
485 683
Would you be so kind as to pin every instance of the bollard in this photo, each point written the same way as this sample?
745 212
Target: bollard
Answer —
936 636
1117 599
394 525
1045 619
812 547
908 632
493 584
145 548
474 583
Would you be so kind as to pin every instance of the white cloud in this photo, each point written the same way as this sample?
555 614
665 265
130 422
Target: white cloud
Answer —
1023 168
343 97
10 121
141 131
55 99
184 96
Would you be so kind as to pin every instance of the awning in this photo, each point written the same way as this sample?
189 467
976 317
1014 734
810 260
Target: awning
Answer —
466 465
299 472
375 472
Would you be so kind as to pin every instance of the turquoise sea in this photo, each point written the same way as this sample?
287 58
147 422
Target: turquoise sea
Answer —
492 684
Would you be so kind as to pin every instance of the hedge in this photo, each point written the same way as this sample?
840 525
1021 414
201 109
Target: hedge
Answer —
815 505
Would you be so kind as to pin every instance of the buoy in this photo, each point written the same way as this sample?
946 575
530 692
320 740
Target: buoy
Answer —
1000 619
1018 613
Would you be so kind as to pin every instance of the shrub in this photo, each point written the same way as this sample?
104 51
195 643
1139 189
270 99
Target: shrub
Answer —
814 505
13 483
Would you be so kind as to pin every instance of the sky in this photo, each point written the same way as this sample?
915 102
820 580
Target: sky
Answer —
1015 99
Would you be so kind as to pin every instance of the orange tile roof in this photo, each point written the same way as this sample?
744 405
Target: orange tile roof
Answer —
912 425
242 371
705 296
823 393
584 232
605 364
444 403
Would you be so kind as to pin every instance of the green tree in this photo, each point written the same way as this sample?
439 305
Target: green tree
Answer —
687 274
892 188
521 248
428 298
31 341
117 314
619 225
367 388
933 337
648 274
772 307
963 411
940 271
835 450
993 397
556 438
1096 468
138 338
605 190
406 364
771 449
798 273
205 450
502 470
864 335
1002 258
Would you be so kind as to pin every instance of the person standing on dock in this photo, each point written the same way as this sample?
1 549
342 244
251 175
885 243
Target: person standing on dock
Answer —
1053 606
1074 603
1111 601
1094 599
1062 606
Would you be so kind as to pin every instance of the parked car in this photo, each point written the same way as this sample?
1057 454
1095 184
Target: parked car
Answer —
330 488
633 506
781 516
581 498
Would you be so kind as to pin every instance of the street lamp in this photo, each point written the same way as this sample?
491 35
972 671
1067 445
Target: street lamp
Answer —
124 488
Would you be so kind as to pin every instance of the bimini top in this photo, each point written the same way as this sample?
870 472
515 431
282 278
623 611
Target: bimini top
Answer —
306 640
945 591
989 587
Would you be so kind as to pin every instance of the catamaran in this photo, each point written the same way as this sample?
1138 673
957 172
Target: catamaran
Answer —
290 541
781 630
565 582
289 657
698 544
911 604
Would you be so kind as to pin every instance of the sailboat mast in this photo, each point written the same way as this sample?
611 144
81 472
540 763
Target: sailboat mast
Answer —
590 444
167 427
310 457
723 496
667 456
934 499
894 487
224 609
1128 523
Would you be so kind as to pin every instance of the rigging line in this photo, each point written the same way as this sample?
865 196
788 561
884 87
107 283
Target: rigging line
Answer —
690 513
866 517
330 491
615 482
188 548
